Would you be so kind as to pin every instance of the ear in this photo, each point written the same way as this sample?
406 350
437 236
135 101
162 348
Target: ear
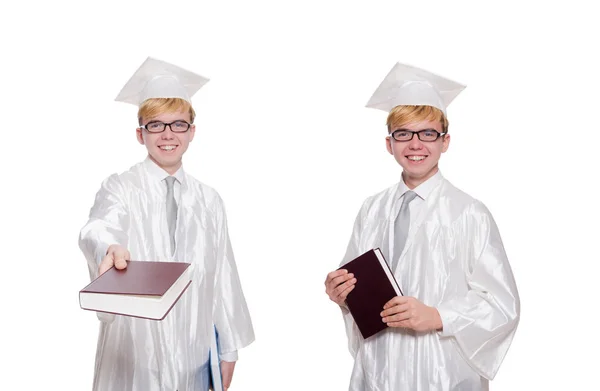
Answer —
445 143
192 132
139 135
388 144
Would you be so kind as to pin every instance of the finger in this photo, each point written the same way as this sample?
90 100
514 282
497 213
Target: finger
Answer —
397 317
337 291
345 293
335 274
334 290
395 309
395 301
120 259
106 263
340 280
337 282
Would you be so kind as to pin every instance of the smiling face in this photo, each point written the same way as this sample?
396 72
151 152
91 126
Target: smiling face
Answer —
166 148
419 159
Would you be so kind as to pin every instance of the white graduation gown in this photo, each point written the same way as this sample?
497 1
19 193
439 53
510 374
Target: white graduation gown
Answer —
453 260
144 355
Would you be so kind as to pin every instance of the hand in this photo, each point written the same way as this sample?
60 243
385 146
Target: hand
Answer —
410 313
338 285
227 373
116 256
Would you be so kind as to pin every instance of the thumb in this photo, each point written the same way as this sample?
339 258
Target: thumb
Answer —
121 256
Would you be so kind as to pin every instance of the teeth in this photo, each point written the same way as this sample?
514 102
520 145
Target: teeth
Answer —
167 147
416 158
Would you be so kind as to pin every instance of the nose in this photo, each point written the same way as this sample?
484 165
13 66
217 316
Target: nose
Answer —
168 133
415 143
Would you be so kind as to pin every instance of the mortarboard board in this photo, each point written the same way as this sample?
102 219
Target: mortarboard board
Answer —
159 79
408 85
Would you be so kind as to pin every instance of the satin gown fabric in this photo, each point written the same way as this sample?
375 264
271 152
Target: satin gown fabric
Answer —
453 260
143 355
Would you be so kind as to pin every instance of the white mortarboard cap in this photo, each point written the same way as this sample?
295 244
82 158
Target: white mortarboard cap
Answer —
408 85
159 79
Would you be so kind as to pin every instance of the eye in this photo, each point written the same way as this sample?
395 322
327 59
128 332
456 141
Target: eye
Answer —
180 125
430 133
155 125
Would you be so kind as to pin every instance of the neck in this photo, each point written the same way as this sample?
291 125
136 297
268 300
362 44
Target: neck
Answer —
171 169
411 181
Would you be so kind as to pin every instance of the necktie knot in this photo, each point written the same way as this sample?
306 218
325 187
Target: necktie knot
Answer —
170 181
408 197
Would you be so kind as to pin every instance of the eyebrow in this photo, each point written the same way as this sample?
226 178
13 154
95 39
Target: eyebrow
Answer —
164 122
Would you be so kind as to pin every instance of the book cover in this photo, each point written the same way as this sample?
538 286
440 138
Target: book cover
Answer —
375 286
143 289
138 278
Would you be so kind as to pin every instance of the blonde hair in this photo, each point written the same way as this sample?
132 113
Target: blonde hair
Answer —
405 114
153 107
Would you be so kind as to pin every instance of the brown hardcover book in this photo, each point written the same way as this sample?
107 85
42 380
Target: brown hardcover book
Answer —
375 286
143 289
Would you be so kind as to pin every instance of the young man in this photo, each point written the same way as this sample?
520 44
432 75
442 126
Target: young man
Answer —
156 211
453 327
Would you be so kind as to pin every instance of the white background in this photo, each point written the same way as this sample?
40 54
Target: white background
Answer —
283 135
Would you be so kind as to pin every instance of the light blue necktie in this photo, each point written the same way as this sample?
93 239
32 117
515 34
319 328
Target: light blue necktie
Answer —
171 210
401 226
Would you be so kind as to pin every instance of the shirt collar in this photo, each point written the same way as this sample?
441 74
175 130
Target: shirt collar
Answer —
159 173
424 189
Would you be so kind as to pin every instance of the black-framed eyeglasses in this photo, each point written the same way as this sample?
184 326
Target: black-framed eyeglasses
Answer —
427 135
159 127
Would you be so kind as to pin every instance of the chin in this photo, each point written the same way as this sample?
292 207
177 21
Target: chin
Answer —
416 172
170 161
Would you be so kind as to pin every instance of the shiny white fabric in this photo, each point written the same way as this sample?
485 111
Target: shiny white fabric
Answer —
143 355
453 260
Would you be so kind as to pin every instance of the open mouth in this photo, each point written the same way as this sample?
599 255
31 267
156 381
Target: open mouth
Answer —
168 148
416 159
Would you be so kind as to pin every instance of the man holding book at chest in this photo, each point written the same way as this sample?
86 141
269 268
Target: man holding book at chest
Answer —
452 326
155 211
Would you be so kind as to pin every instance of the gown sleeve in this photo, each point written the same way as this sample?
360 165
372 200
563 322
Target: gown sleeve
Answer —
483 321
352 251
230 312
107 224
